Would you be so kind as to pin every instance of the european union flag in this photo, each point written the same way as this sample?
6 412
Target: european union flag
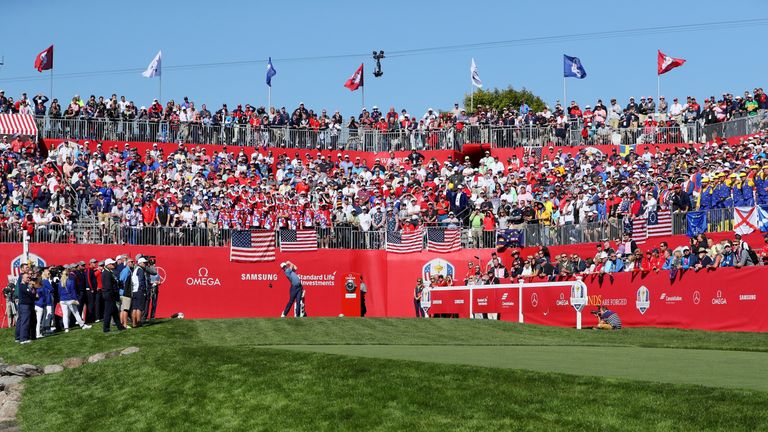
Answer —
697 223
572 67
271 71
510 238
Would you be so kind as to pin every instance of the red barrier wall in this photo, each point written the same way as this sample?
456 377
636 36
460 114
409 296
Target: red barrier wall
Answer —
203 283
725 299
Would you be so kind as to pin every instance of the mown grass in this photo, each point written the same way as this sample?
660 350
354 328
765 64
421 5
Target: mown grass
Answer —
216 375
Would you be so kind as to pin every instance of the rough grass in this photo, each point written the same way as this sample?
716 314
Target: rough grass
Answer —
218 376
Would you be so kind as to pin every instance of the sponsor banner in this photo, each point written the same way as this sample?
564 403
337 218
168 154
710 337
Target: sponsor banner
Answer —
202 283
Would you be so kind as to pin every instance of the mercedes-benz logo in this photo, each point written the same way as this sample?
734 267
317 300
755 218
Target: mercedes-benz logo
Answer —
534 299
696 297
161 274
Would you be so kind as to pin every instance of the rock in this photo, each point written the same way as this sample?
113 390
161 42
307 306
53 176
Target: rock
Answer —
52 369
3 368
73 362
129 351
8 410
7 381
111 354
25 370
96 358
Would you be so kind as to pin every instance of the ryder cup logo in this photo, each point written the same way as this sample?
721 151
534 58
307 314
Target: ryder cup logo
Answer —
16 265
203 279
579 295
643 299
438 267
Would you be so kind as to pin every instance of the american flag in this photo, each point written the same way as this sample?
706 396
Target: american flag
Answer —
252 246
443 239
400 242
659 223
640 230
298 240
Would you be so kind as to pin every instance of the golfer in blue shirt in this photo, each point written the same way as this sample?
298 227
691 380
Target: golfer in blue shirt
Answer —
296 290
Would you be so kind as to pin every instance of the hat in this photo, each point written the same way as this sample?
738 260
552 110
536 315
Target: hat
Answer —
142 260
108 261
93 260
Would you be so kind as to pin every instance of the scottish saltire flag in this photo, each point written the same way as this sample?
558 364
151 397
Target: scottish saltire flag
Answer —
510 238
762 219
271 71
572 67
659 223
476 81
697 223
443 239
155 66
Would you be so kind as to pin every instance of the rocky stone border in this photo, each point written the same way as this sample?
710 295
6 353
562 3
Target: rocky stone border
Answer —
12 381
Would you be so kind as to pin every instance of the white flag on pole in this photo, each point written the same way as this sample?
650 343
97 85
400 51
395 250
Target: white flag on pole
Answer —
476 81
153 70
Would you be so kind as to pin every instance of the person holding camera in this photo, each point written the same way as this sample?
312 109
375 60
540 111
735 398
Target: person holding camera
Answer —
11 312
296 289
608 319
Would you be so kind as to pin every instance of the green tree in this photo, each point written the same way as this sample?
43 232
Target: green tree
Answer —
507 98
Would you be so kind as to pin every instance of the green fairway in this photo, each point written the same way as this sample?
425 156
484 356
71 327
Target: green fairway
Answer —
701 367
396 374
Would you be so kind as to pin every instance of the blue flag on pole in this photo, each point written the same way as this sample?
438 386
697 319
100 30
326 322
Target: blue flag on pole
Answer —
271 71
572 67
697 223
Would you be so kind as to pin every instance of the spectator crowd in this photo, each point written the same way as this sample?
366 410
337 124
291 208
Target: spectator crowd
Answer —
195 193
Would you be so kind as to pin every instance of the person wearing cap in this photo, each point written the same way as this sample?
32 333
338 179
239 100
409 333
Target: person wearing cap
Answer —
111 293
138 291
296 290
68 299
705 196
417 295
704 261
93 292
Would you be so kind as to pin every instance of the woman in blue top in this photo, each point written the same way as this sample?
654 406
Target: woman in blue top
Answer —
68 301
44 303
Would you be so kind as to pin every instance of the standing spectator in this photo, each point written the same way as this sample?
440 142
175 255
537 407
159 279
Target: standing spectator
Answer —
417 292
26 306
10 304
363 292
44 305
139 291
110 290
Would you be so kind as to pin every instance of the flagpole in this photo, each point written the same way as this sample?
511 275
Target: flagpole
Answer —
658 91
160 85
269 98
51 83
565 94
363 93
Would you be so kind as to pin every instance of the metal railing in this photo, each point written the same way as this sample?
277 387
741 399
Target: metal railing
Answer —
345 237
374 140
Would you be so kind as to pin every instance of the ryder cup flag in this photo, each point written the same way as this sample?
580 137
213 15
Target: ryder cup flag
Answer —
405 242
252 246
667 63
745 220
44 60
271 71
762 219
298 240
476 81
153 70
356 80
443 239
572 67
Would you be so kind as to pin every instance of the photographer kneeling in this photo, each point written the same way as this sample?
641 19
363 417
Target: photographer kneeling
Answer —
608 319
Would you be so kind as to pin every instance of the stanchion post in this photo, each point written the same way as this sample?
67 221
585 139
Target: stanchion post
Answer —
520 302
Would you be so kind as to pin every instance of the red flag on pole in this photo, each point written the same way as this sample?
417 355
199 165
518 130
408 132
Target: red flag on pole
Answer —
356 81
44 60
667 63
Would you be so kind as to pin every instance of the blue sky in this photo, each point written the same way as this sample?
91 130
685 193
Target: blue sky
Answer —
91 36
